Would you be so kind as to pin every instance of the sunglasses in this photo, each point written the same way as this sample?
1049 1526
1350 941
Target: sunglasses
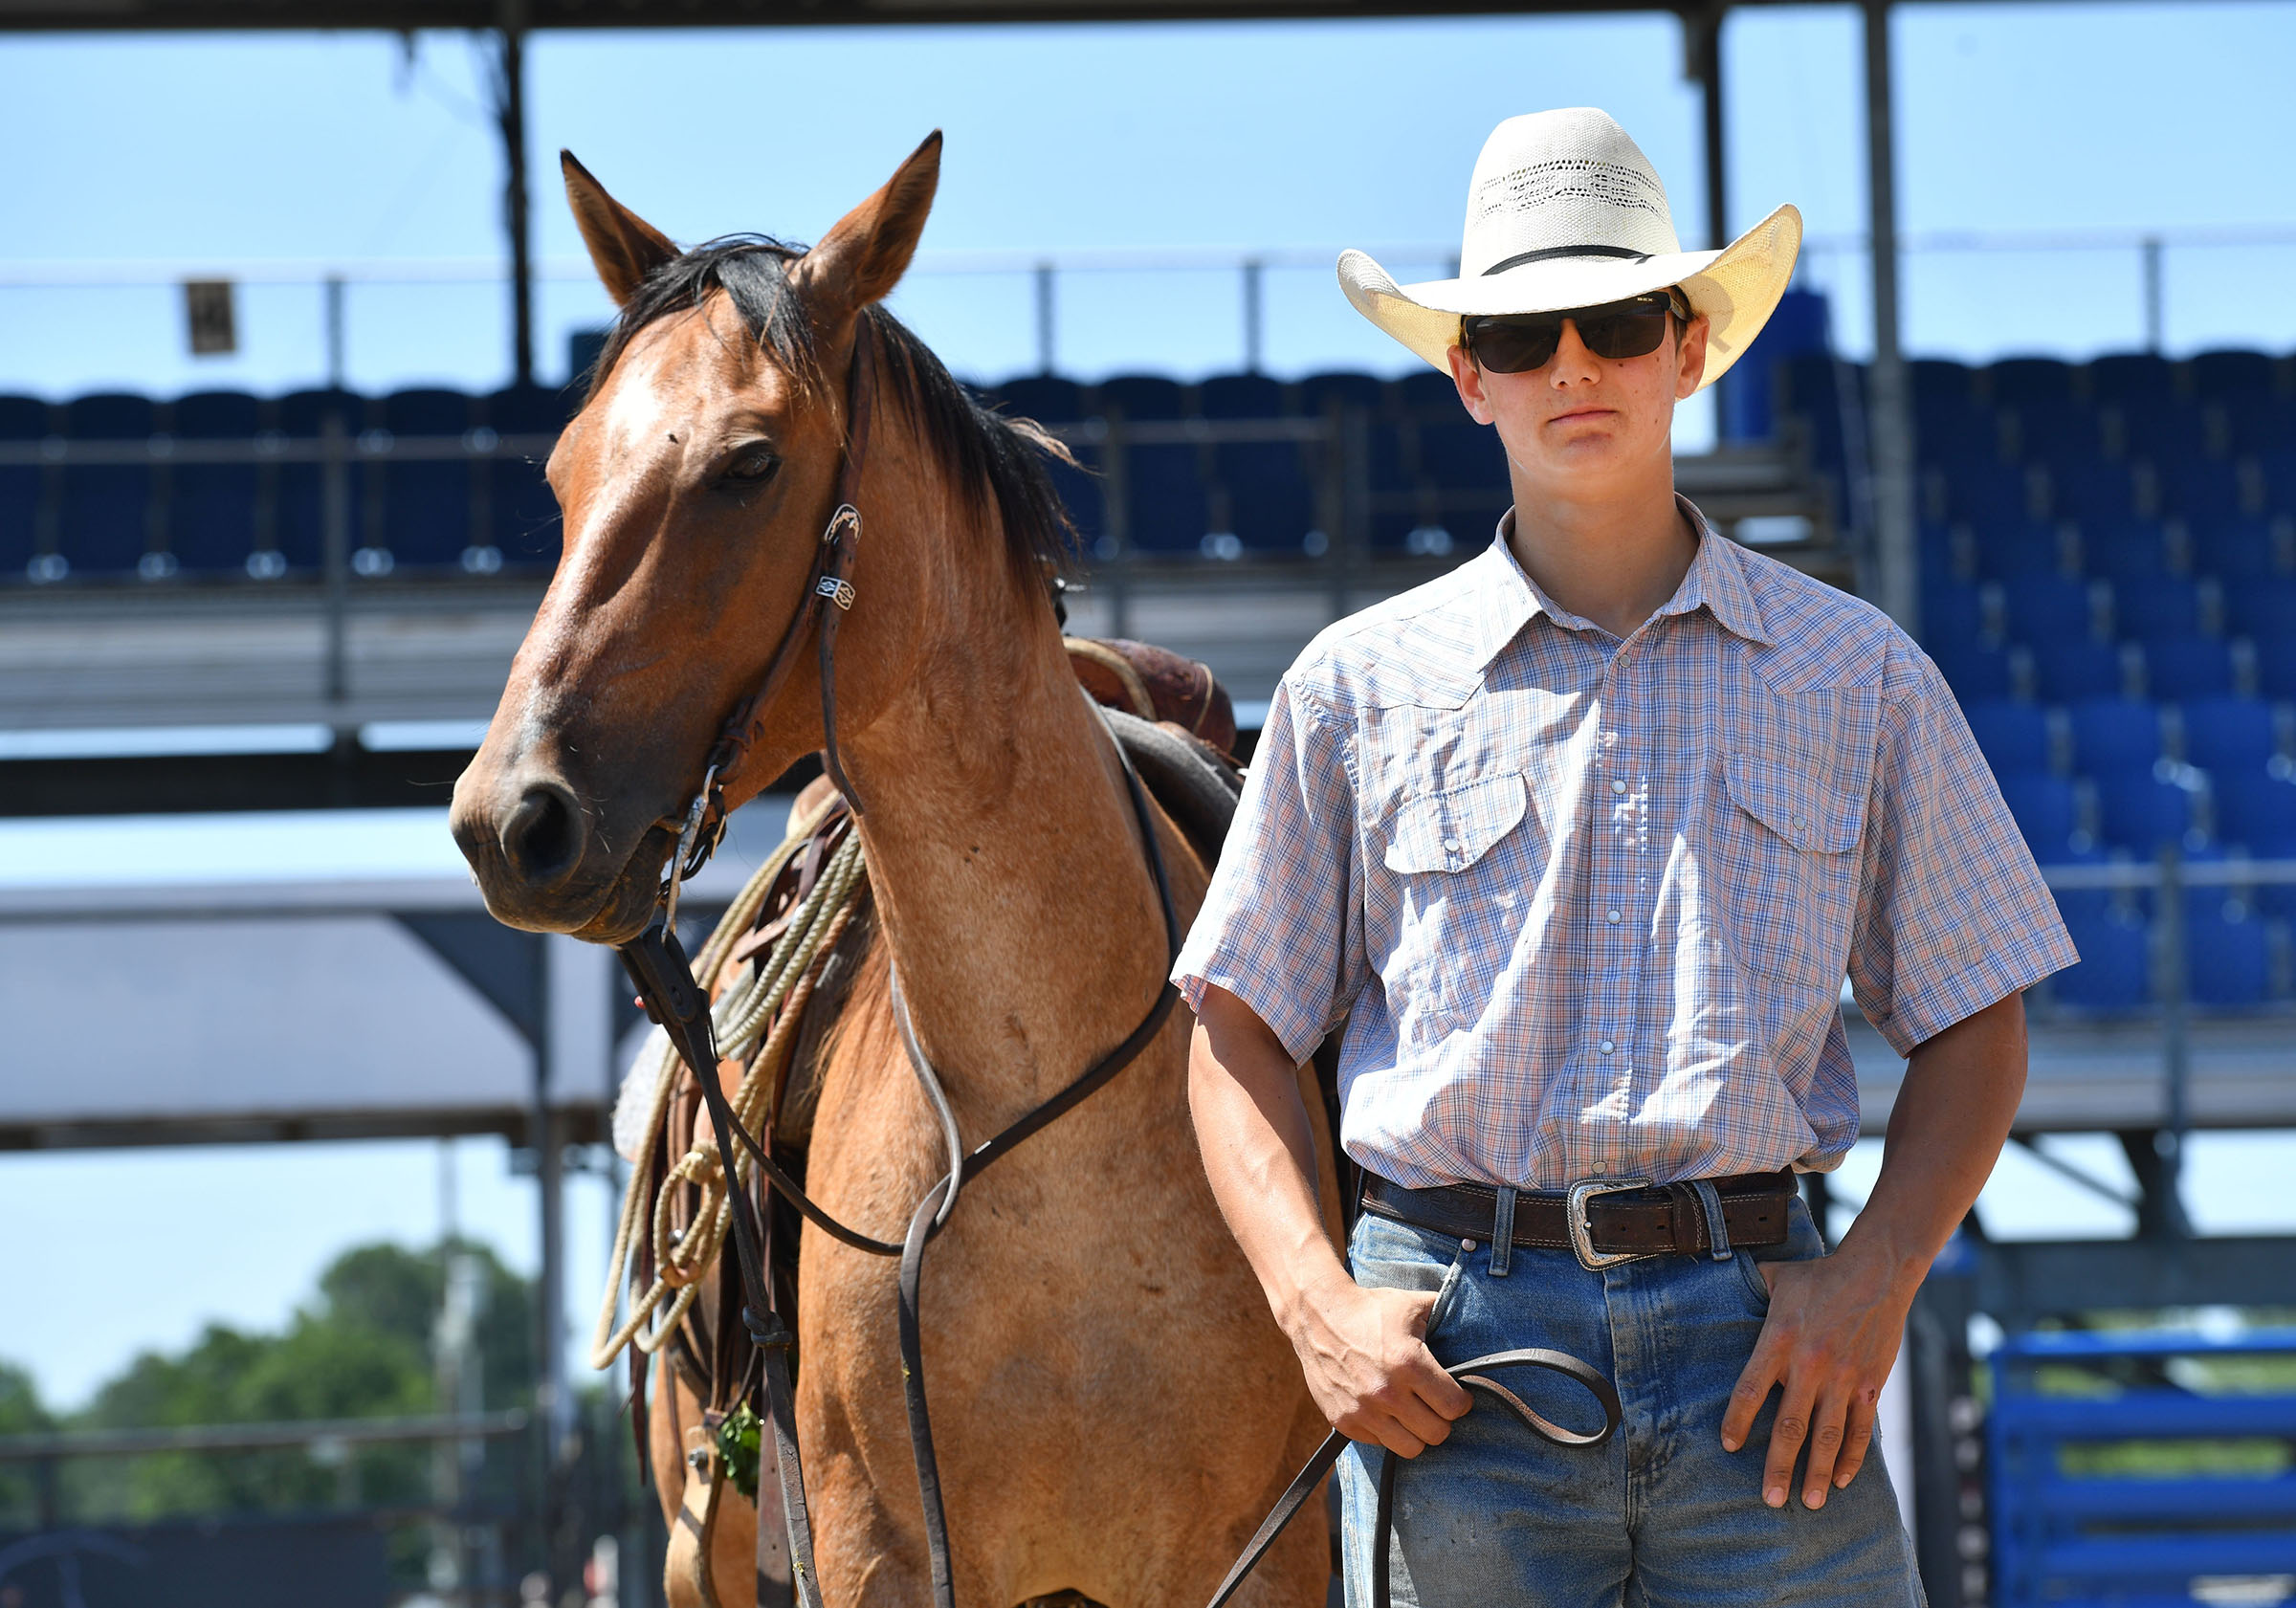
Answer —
1516 342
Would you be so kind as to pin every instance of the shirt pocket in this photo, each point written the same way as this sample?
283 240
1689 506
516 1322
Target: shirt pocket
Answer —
1791 852
1465 875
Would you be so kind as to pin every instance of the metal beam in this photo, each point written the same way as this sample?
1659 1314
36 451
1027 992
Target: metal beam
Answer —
1889 402
2022 1281
1701 49
510 119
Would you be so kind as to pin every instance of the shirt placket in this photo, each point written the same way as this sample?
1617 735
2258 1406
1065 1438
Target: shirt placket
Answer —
1613 902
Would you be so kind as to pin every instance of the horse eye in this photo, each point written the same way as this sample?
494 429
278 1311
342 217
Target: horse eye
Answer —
752 468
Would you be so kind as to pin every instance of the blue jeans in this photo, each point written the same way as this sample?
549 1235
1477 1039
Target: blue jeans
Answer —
1660 1516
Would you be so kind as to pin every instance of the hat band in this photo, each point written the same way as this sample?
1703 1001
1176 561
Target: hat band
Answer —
1521 257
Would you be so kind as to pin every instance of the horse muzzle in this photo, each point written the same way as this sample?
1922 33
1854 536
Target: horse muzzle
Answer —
542 854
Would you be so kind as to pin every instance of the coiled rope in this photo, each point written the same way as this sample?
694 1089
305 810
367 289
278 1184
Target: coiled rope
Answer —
769 1004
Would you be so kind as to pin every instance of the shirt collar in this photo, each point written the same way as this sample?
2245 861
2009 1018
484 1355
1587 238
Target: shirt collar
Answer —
1715 581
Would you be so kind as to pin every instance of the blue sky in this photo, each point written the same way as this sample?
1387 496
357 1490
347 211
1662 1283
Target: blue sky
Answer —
255 151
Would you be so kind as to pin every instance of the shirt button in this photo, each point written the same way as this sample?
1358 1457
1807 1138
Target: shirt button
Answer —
1612 919
1608 1046
1618 786
1451 844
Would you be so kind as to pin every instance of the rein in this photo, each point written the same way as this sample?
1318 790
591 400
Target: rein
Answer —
657 964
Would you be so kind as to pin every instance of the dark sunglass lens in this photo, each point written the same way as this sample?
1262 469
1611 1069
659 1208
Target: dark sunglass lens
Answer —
1623 335
1509 348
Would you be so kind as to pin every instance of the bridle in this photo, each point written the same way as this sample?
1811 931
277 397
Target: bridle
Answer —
657 964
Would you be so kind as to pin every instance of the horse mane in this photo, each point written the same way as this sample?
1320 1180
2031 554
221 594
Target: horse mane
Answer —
1001 463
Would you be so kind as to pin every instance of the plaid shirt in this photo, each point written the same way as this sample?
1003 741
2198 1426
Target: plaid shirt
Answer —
1586 904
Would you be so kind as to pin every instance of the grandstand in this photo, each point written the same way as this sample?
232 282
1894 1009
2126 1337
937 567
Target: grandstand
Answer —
2109 584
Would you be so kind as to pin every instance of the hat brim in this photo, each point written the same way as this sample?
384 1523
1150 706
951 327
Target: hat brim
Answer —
1736 288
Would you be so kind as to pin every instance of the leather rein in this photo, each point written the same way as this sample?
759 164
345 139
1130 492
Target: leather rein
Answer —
657 964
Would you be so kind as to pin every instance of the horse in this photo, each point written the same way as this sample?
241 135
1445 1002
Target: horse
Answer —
1114 1406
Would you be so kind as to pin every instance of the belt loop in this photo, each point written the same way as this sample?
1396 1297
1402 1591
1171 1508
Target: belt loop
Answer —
1718 1231
1502 1233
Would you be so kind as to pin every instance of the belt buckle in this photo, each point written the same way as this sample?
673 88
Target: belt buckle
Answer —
1583 1236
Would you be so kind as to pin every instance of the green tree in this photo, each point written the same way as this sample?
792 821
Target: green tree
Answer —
20 1414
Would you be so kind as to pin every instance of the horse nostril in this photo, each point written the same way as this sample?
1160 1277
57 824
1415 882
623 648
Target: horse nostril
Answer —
543 840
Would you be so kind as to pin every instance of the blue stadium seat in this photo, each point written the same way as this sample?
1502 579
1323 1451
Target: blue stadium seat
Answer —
2140 811
1270 504
1951 612
2115 970
2126 547
1240 396
1462 455
2256 807
1947 423
214 509
1945 557
1319 392
1986 492
2091 490
2045 809
2047 608
2229 733
2261 606
2070 670
1046 398
22 419
1425 394
2261 427
2075 904
2227 958
2275 668
2236 548
1143 396
1164 501
2181 668
2201 491
300 526
2217 375
2278 464
2160 605
2070 439
2030 382
1081 491
521 518
2114 737
426 501
1809 390
2121 377
2007 550
2013 737
109 508
1973 668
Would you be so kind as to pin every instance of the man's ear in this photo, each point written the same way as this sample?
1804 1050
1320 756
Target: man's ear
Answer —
624 247
1691 352
1470 381
858 262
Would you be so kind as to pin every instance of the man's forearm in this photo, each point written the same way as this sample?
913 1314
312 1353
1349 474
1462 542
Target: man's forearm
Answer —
1946 1131
1259 1152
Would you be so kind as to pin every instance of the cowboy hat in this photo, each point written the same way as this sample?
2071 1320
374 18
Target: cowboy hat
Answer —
1564 211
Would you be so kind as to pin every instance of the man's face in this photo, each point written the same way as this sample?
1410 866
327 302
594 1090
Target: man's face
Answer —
1579 420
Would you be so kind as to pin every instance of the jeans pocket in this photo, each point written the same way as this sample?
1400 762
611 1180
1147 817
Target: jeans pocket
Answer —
1750 1274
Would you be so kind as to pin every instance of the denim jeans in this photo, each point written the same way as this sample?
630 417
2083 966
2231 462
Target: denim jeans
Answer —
1660 1516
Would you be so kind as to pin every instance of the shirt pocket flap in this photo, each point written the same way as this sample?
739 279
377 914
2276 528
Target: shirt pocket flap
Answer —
1450 830
1798 807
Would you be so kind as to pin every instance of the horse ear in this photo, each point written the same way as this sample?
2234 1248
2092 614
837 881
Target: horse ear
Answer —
624 247
859 261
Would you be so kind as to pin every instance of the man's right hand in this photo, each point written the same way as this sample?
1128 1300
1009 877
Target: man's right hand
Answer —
1365 1355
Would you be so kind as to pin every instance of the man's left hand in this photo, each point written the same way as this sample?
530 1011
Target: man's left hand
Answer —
1832 1334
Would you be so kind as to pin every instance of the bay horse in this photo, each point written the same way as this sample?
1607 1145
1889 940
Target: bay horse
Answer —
1113 1407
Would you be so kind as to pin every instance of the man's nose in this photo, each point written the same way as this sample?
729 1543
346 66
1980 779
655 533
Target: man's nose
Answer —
1571 361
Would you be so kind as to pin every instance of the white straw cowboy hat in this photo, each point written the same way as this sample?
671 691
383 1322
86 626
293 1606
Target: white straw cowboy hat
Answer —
1564 211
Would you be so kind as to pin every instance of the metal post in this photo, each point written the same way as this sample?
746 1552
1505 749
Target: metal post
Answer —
1254 349
1891 413
510 116
1702 43
337 368
1044 318
2154 318
2176 1051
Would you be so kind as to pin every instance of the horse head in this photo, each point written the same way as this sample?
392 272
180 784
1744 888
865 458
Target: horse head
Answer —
696 484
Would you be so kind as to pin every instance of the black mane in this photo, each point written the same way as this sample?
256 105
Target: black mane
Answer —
999 462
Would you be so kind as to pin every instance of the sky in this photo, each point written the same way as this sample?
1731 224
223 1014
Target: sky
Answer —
273 158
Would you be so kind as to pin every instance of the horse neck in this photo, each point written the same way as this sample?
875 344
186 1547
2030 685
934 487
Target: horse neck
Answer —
1006 864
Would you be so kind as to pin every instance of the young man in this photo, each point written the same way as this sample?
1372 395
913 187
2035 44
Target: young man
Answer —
1580 841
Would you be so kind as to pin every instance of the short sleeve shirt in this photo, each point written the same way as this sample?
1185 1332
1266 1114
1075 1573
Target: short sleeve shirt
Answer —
1585 905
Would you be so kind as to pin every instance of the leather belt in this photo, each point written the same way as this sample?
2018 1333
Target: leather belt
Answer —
1616 1219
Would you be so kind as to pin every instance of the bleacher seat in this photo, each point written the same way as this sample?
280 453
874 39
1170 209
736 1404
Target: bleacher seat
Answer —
299 526
2148 608
1164 502
2115 969
23 419
2045 808
109 510
2114 737
1950 611
2201 491
2257 426
2256 809
2221 374
2276 464
1081 491
2068 440
2126 548
426 501
2229 733
2023 381
2093 490
1974 670
2244 549
1425 393
2179 668
2013 737
2227 956
2275 658
1240 396
2045 607
1046 398
1263 485
2261 606
1461 455
1341 388
214 509
1987 493
1143 396
2141 811
521 525
2008 549
2072 670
